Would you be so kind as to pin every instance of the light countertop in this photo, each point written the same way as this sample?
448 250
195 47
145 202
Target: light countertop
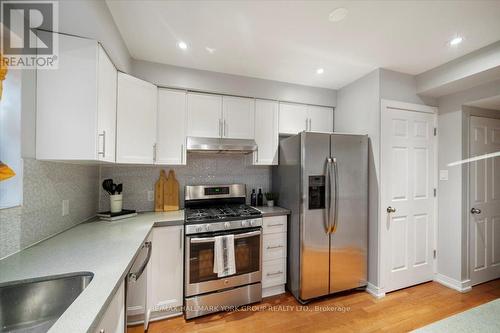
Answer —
272 211
107 249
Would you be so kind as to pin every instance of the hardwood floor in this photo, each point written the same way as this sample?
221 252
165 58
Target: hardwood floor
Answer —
399 311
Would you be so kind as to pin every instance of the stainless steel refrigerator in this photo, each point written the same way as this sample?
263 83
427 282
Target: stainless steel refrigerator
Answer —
323 179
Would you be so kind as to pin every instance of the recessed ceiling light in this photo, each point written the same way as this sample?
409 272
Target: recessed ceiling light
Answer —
320 71
456 40
210 50
182 45
338 15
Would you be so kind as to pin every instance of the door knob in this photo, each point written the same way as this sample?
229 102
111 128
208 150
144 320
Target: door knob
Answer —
391 210
475 211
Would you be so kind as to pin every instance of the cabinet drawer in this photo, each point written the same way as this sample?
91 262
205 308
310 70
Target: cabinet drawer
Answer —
274 224
274 246
273 273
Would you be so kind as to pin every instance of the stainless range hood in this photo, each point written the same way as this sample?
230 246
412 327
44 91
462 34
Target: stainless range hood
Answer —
220 145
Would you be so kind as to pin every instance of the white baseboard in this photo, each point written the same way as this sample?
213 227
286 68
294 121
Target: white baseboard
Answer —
375 291
272 291
461 286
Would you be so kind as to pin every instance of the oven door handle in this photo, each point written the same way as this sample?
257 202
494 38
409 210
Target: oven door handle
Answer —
212 239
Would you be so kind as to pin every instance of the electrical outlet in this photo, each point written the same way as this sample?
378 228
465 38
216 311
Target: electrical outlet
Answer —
151 195
65 207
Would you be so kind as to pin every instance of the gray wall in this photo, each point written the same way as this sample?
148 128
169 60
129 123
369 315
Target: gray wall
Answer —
45 185
200 169
401 87
207 81
358 111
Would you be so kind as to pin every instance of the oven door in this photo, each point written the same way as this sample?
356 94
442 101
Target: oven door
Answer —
200 277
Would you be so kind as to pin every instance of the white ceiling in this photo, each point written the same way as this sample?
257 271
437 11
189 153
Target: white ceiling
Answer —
288 40
492 103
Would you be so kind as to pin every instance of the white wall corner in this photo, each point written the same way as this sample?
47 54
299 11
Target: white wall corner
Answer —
375 291
461 286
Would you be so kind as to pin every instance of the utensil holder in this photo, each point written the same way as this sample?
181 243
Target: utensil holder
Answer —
115 203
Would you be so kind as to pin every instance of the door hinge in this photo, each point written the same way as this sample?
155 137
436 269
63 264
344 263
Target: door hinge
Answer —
435 192
435 254
435 131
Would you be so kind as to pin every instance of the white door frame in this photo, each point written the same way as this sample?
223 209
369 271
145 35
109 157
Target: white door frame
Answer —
386 104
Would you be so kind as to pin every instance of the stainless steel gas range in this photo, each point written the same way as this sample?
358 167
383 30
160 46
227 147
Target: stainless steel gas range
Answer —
212 211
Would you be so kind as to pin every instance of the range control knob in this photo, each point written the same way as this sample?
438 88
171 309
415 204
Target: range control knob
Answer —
244 223
199 229
227 225
253 223
208 227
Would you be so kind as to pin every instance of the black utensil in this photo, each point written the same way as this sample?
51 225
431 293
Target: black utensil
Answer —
119 188
107 184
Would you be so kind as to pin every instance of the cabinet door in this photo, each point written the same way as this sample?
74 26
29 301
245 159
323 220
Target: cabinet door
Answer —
320 118
113 320
204 115
238 116
167 267
66 103
266 132
106 108
136 120
171 135
292 118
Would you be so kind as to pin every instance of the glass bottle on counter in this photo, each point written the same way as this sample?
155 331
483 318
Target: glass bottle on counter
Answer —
253 198
260 198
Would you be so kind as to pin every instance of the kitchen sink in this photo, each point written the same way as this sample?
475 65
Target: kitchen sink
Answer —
35 305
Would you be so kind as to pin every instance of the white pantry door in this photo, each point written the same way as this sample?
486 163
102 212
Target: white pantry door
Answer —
407 194
484 200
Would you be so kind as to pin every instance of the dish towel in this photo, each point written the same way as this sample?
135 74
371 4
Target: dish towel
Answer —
224 263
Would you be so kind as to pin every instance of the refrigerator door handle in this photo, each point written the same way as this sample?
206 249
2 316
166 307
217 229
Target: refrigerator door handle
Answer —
336 196
329 161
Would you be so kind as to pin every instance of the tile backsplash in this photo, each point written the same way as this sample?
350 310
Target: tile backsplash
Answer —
45 185
200 169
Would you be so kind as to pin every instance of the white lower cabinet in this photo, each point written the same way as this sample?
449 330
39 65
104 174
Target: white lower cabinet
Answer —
274 255
167 267
113 320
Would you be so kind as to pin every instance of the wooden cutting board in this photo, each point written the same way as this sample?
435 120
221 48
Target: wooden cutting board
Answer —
171 193
159 191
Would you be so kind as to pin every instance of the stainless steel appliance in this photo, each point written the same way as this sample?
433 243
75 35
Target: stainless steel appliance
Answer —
211 211
136 295
323 179
220 145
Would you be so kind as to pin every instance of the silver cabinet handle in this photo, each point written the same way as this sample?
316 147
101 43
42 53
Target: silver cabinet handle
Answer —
133 277
103 152
180 239
391 210
154 152
182 153
275 273
275 225
307 126
275 247
475 211
220 127
224 128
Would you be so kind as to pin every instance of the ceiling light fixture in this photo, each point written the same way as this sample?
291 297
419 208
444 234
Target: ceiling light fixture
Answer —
455 41
210 50
182 45
320 71
338 14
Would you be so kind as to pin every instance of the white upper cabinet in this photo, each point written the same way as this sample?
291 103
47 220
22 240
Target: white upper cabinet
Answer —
320 118
238 116
106 104
266 132
172 120
204 113
136 120
293 118
76 104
